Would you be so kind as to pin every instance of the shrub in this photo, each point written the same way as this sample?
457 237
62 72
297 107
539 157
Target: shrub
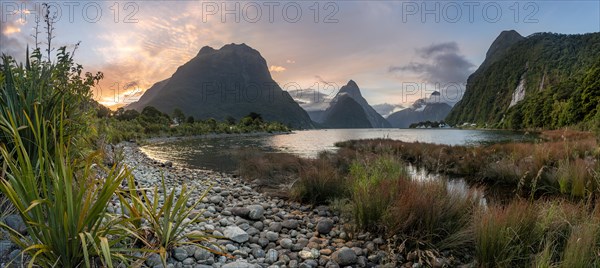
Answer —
62 202
42 91
165 222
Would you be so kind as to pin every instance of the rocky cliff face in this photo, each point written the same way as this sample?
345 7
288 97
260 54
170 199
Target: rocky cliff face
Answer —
231 81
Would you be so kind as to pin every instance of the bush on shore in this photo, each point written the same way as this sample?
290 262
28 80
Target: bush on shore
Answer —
126 125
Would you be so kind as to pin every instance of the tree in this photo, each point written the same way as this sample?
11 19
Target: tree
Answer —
190 120
230 120
152 115
130 115
102 111
178 116
119 112
255 116
151 112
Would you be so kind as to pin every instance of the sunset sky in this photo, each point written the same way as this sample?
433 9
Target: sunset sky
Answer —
387 47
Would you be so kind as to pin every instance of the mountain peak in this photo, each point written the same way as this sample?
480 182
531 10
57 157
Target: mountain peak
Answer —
229 47
504 40
351 88
205 50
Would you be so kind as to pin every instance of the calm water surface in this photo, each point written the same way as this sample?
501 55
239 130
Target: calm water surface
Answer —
218 153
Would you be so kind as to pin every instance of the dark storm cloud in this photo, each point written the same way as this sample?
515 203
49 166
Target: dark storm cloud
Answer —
440 63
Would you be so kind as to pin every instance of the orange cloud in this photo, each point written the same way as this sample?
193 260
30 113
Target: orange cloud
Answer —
11 30
276 69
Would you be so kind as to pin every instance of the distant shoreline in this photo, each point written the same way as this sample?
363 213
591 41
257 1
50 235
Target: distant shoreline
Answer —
157 140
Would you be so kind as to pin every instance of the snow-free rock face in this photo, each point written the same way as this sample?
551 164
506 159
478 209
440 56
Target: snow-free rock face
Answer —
519 93
349 109
217 83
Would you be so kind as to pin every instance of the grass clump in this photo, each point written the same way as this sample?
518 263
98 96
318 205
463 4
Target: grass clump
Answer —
506 236
582 247
429 212
554 233
375 185
319 182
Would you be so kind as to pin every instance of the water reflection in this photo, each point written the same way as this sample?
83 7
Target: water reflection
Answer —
218 153
454 185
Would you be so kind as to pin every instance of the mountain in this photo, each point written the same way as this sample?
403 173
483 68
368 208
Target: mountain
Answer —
312 101
385 109
349 101
504 41
346 113
422 110
544 80
231 81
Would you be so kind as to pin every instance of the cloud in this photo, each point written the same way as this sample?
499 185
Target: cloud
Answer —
443 67
290 61
276 69
11 42
428 51
440 63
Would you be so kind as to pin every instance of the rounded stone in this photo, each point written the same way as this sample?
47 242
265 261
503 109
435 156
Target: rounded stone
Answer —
272 256
256 212
180 254
345 256
286 243
290 224
272 236
202 254
324 226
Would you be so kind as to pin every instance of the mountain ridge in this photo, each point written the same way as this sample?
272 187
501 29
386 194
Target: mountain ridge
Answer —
231 81
536 82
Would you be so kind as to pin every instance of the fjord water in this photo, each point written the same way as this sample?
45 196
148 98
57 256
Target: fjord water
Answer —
219 152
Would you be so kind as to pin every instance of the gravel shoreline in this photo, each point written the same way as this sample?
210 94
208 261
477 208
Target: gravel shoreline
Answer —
258 230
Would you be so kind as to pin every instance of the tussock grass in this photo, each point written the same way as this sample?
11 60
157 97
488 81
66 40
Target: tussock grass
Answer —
375 185
319 182
529 167
270 169
538 234
428 212
506 236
